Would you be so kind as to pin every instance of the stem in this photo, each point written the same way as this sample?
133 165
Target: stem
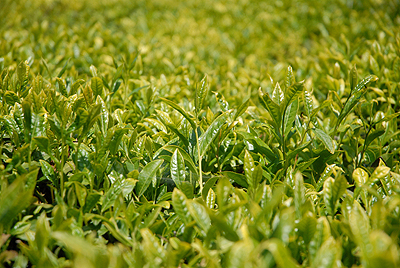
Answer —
62 170
200 160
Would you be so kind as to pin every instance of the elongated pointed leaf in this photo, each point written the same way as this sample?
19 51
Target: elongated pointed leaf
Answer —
16 197
219 221
212 131
151 244
325 175
181 111
104 115
277 95
188 160
48 171
308 102
307 227
146 176
179 203
120 186
328 254
166 120
242 108
97 86
326 140
353 79
372 136
259 145
210 199
299 194
292 93
281 254
290 116
236 177
248 168
360 177
360 227
357 93
64 68
199 214
290 79
339 188
178 170
272 107
201 94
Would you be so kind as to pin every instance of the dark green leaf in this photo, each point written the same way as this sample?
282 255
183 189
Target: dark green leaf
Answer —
146 176
272 107
326 140
212 132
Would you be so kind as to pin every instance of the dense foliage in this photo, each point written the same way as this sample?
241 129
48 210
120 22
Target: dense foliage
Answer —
199 133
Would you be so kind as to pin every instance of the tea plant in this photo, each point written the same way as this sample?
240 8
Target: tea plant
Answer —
212 134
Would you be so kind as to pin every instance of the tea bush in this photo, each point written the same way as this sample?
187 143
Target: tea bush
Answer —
199 133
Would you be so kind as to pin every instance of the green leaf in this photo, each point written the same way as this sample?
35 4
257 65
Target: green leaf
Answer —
219 222
290 80
187 189
308 103
42 143
292 93
199 214
75 86
64 68
339 188
326 140
179 203
248 168
188 160
372 136
166 120
210 199
212 132
236 177
333 190
277 94
290 116
91 201
104 115
325 175
201 94
322 234
281 254
307 227
11 98
146 176
120 186
181 111
42 234
299 194
178 170
27 110
272 108
16 197
240 255
260 145
48 172
355 97
353 79
328 255
242 108
97 86
360 177
22 72
208 185
360 228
